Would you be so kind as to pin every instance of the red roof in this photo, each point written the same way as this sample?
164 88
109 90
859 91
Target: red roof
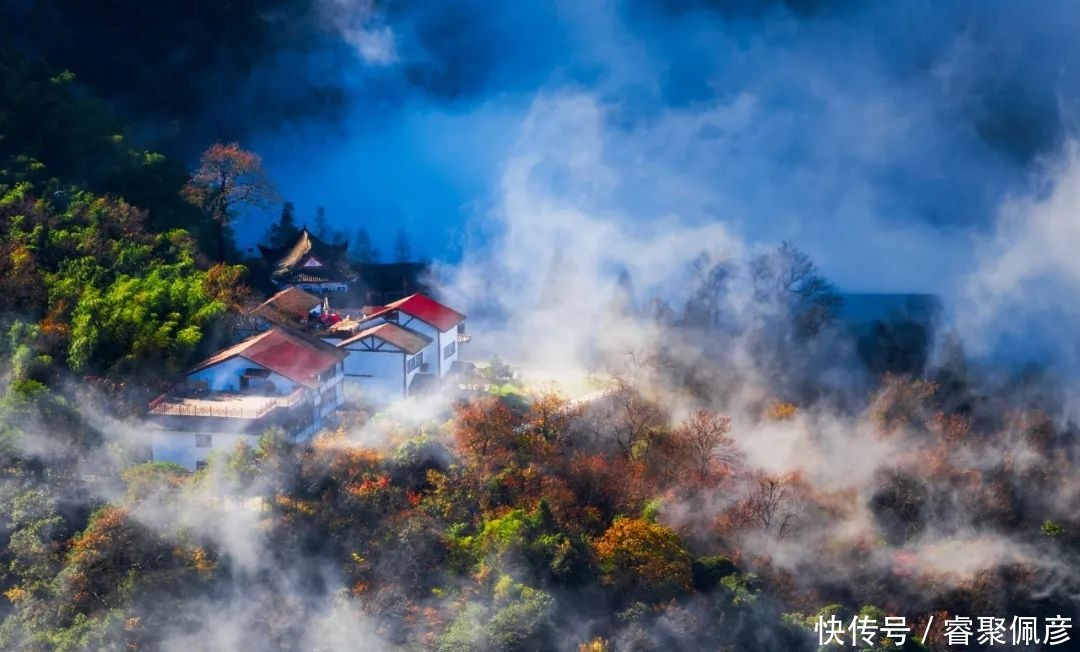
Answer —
405 339
293 356
425 309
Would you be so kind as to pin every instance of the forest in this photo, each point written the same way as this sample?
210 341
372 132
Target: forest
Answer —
728 486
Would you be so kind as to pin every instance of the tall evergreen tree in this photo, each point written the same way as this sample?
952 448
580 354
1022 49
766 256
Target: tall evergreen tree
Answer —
363 251
285 231
322 227
402 248
623 303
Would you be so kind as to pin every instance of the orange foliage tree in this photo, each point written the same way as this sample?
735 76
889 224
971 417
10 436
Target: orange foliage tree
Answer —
644 559
902 400
550 416
104 555
228 177
485 432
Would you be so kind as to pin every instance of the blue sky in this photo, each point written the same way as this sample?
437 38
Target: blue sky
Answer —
880 137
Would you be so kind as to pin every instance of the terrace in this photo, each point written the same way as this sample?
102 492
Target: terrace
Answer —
230 405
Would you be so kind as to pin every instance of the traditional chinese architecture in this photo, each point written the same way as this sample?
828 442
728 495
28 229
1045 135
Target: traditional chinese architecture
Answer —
310 264
396 350
277 378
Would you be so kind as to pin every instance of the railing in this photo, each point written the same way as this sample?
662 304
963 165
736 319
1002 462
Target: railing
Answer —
204 408
462 338
288 401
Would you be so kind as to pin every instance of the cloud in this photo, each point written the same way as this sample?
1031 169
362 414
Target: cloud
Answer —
556 244
877 137
1014 298
358 23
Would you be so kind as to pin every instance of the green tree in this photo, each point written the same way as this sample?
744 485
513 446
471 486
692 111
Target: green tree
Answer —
157 316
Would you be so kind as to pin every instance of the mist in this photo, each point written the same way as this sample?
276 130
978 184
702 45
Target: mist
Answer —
599 187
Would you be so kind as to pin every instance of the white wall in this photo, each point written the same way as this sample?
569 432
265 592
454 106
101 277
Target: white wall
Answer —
431 351
225 376
336 396
412 374
380 375
179 447
444 339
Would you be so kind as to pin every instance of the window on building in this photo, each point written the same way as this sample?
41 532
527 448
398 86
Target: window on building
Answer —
449 349
204 441
415 362
200 465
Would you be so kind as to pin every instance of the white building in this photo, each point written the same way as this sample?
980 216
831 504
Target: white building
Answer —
277 378
402 346
384 360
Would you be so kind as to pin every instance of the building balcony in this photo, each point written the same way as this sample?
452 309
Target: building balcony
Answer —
227 405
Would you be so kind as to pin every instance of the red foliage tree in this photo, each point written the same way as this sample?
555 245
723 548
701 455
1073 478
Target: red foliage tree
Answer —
228 177
485 431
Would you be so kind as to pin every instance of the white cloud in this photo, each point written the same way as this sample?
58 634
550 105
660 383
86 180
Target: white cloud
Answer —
358 23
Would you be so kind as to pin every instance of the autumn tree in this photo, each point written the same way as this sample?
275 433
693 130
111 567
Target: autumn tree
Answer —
485 429
900 503
771 504
633 419
902 401
225 284
705 437
228 179
551 414
103 556
22 285
644 559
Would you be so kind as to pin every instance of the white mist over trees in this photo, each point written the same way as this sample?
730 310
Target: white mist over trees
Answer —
731 472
